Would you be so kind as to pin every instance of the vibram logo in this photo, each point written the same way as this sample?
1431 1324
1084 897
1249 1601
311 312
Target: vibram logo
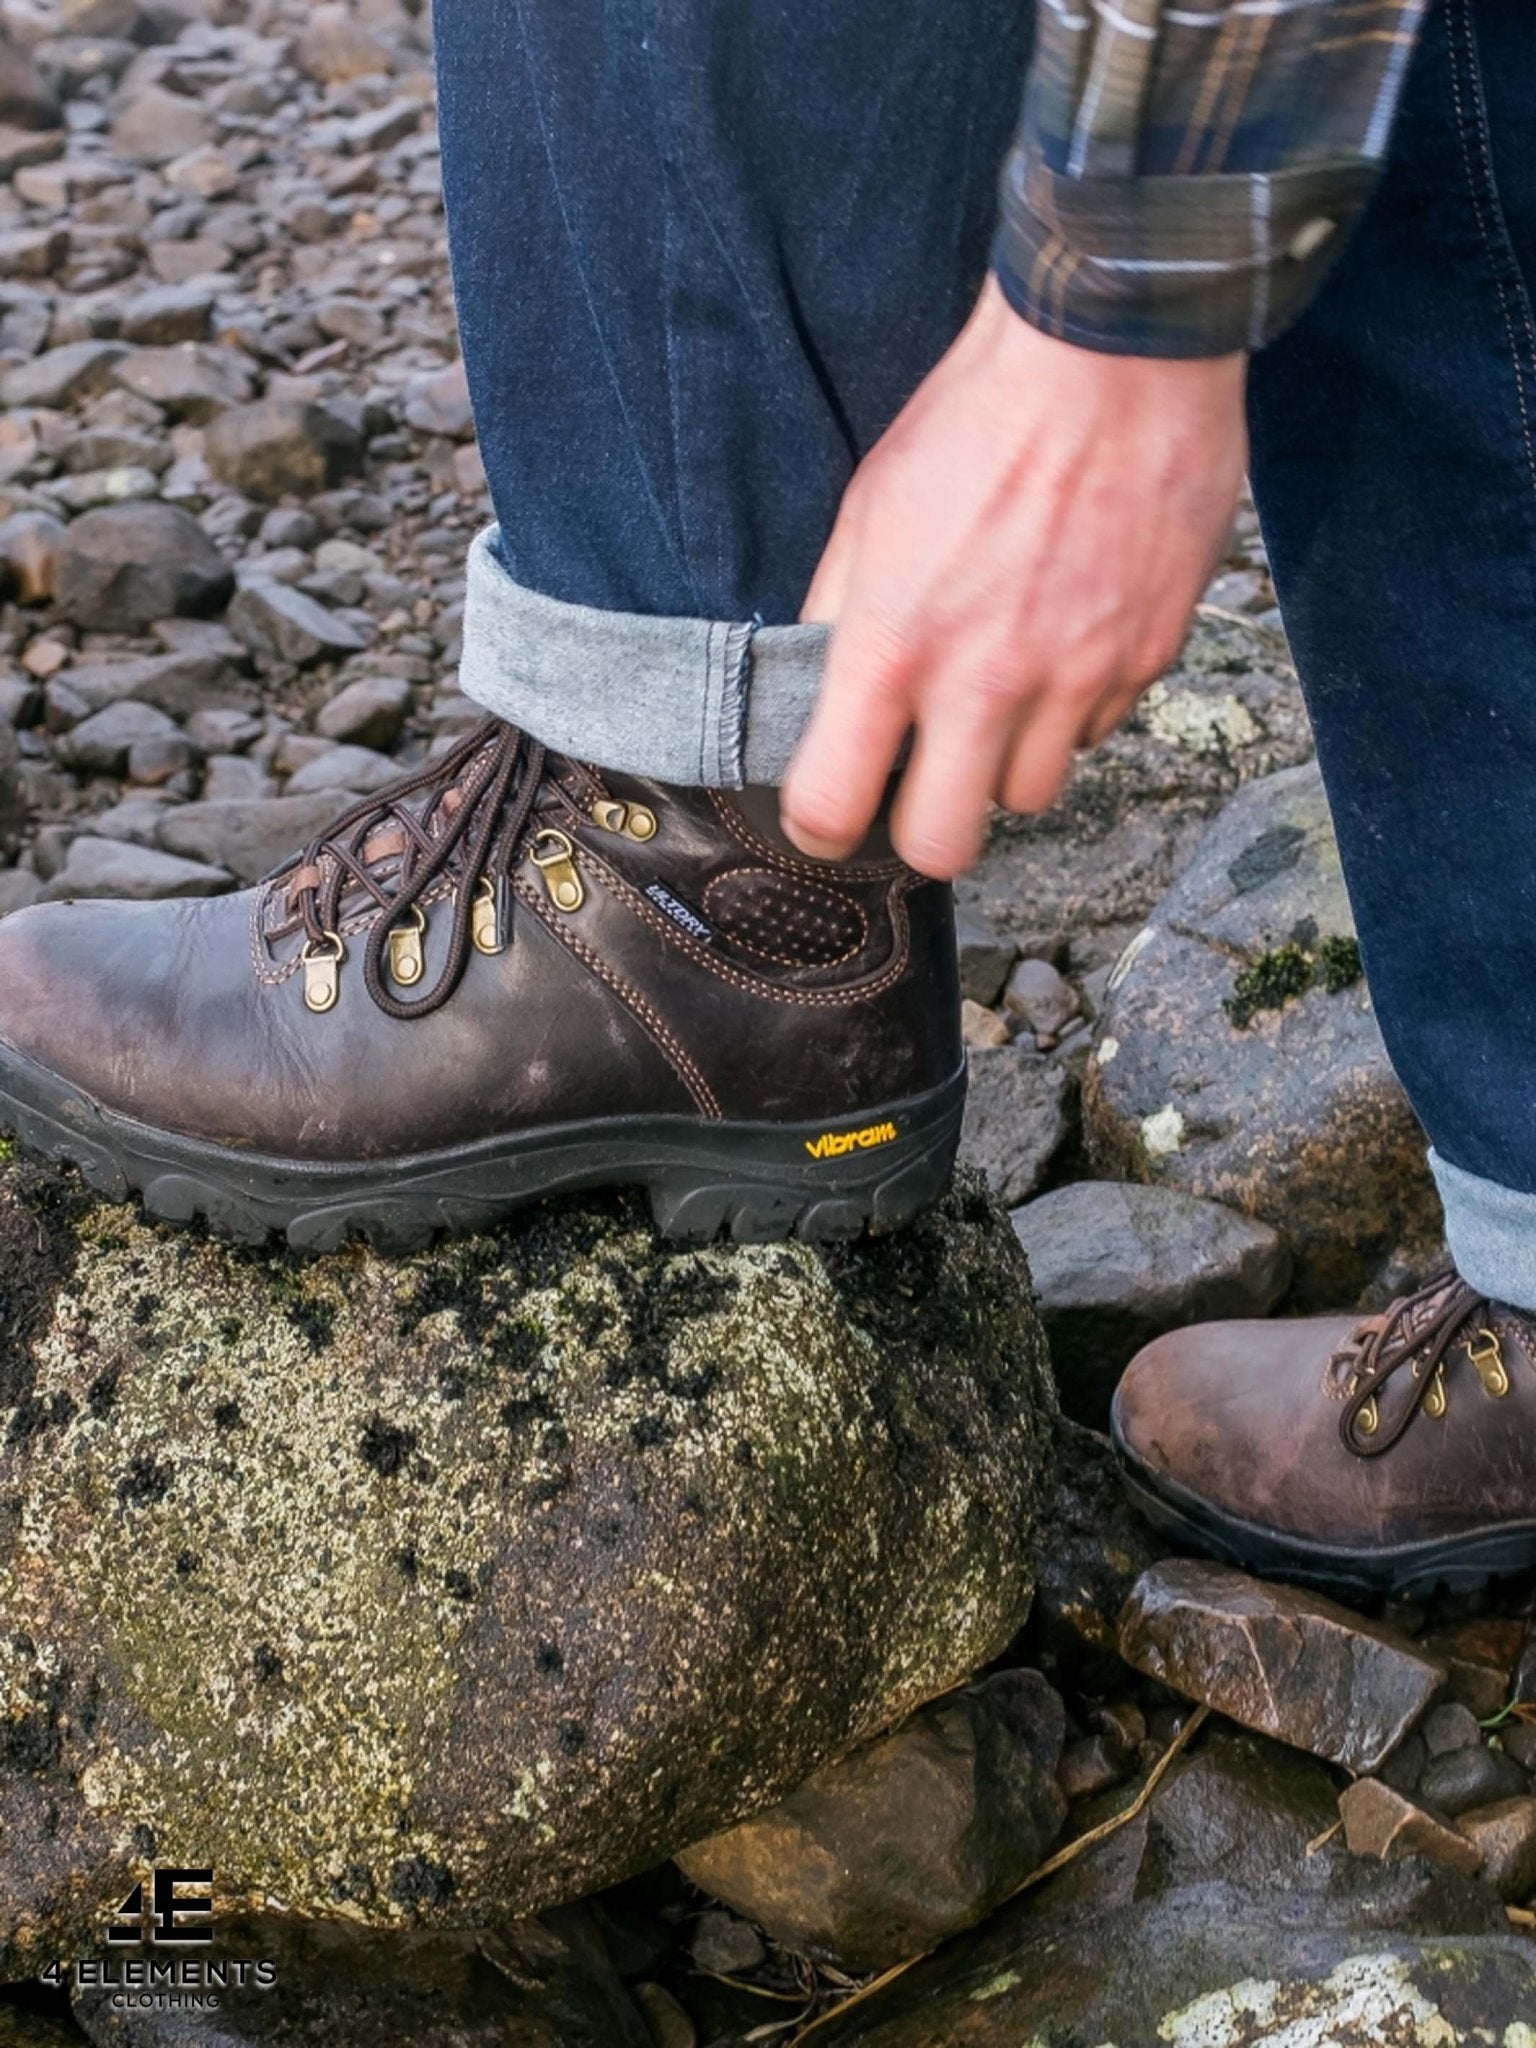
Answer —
833 1144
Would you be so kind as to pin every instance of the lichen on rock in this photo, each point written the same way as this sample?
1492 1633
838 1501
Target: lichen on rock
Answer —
448 1588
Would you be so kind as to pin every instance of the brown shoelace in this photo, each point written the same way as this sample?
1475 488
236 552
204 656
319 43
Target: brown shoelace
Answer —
479 797
1417 1332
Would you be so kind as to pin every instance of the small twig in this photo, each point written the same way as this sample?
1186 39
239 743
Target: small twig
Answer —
1327 1835
1075 1848
1520 1916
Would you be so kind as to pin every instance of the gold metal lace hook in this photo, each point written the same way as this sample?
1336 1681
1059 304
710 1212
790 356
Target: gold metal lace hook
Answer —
322 973
407 961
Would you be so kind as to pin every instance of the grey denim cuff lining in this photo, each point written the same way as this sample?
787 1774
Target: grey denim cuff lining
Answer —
1491 1231
710 702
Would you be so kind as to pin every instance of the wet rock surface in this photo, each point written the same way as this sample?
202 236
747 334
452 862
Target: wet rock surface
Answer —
371 1583
918 1835
1289 1663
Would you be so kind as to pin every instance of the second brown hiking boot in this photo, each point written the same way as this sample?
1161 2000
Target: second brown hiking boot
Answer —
503 977
1390 1453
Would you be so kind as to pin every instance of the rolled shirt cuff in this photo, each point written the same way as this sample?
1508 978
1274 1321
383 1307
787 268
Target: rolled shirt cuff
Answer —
1209 264
706 702
1491 1231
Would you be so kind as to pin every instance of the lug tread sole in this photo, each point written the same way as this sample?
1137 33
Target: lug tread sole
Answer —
703 1180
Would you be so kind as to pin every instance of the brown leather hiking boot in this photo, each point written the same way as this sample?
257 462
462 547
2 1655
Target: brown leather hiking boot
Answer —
1394 1452
503 977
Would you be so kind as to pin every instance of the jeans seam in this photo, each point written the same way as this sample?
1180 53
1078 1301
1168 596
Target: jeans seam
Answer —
1482 187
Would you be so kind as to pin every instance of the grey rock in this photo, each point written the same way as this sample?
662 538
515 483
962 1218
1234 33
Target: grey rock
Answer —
20 700
1450 1726
157 125
126 565
543 1983
1287 1663
727 1946
382 127
281 446
453 1652
62 376
669 2023
1296 1118
21 148
183 685
1041 997
32 251
116 867
166 314
984 961
1116 1265
1463 1778
438 403
359 769
336 47
27 100
250 839
1098 861
99 745
1018 1116
163 760
369 712
188 382
285 625
891 1850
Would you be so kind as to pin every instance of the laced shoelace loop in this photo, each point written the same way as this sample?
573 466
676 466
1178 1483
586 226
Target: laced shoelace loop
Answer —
480 796
1401 1340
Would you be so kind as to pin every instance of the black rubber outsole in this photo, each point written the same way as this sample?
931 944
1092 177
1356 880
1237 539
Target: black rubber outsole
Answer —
760 1182
1456 1564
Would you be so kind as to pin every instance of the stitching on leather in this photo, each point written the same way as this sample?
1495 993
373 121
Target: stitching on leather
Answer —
1481 185
682 1063
803 998
785 959
739 829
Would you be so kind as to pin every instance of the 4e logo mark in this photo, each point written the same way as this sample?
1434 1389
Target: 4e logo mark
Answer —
177 1916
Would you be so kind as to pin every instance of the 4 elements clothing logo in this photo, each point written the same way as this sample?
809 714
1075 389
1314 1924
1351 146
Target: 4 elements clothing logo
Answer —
171 1910
179 1917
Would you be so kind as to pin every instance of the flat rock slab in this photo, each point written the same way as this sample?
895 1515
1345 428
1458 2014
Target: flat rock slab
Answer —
1018 1115
1294 1116
450 1588
1290 1664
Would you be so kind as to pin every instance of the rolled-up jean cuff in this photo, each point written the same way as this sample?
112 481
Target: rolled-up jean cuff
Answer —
1491 1231
711 702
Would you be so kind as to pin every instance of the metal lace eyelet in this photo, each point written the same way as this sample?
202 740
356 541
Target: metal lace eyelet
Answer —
407 960
322 972
1487 1355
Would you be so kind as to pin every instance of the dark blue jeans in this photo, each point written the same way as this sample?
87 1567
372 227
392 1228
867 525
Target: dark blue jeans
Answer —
704 251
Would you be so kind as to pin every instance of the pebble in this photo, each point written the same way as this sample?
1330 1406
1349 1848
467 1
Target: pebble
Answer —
100 744
1019 1115
358 769
1449 1727
370 712
1463 1778
276 447
981 1027
1505 1834
285 625
727 1946
1041 997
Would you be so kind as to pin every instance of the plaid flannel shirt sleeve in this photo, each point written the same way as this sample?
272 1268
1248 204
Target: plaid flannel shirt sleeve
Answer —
1184 175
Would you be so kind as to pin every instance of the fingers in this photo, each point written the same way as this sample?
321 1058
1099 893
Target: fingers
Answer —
963 741
863 713
1045 741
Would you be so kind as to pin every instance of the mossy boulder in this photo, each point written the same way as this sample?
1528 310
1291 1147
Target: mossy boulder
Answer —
443 1589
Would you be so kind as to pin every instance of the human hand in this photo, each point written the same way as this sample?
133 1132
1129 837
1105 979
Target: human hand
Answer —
1013 563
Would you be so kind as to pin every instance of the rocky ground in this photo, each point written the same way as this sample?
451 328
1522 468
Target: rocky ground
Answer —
237 481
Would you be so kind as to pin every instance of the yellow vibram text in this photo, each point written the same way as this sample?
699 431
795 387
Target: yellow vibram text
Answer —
832 1144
